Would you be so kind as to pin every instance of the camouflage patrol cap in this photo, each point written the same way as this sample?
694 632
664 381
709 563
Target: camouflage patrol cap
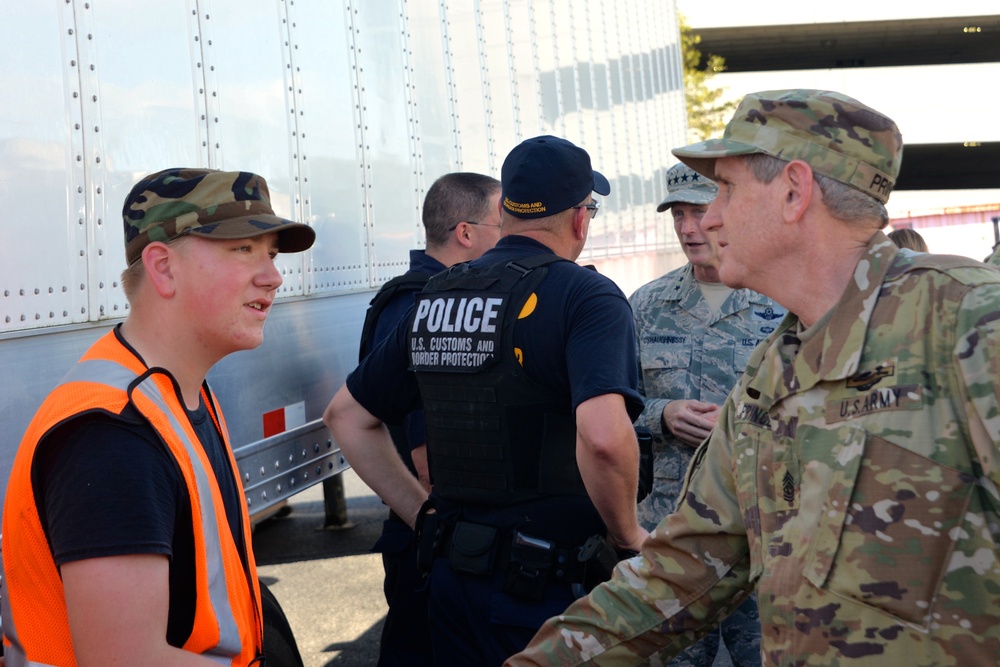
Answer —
686 186
834 134
209 203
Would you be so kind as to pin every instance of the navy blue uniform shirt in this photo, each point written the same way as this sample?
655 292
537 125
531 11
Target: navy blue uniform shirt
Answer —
580 338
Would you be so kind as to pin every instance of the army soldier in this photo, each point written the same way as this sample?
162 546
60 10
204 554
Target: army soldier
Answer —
852 475
695 336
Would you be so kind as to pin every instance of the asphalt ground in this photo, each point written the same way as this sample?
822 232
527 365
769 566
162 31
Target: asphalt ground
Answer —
327 580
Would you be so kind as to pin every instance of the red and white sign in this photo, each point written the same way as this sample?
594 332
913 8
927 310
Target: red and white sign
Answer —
284 419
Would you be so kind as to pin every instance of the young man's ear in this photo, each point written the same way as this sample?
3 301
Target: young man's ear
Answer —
158 259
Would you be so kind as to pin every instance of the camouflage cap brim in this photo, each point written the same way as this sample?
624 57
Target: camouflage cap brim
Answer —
207 203
701 157
836 135
686 186
292 236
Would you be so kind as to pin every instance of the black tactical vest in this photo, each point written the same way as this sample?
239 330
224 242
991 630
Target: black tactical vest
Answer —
494 435
412 282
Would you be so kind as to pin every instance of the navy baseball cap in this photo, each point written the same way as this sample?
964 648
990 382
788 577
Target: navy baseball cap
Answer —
546 175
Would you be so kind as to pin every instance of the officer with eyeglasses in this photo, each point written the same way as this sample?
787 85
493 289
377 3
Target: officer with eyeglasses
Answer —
461 218
525 363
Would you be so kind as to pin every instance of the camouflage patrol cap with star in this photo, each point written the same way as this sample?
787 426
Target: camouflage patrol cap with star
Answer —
834 134
686 186
208 203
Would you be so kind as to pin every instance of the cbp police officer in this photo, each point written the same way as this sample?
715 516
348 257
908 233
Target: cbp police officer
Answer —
461 217
525 363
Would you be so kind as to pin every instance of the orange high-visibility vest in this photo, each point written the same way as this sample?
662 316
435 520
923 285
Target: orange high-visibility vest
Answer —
227 621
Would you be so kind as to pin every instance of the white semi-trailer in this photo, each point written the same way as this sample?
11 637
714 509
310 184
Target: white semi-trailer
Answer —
350 110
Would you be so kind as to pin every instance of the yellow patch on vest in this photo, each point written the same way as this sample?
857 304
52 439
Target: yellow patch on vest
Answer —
529 306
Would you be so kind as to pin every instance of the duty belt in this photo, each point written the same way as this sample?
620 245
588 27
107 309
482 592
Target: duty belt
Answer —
530 563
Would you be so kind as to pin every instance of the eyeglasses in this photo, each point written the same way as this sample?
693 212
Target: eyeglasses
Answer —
470 222
594 206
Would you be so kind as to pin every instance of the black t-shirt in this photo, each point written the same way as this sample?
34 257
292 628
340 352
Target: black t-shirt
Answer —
107 485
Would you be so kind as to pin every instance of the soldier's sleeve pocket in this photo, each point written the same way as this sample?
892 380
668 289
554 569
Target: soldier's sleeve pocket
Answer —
887 528
745 469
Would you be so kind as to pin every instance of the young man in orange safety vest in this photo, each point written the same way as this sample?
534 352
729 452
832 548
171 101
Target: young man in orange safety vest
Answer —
126 540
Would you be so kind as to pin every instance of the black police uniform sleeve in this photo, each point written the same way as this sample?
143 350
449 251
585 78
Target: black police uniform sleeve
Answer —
383 383
600 346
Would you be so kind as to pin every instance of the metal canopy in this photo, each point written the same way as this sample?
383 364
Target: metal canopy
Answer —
899 43
934 41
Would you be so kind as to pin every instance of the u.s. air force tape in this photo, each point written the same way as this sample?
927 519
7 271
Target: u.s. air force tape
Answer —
456 332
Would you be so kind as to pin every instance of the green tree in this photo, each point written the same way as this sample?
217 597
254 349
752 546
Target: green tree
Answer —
706 112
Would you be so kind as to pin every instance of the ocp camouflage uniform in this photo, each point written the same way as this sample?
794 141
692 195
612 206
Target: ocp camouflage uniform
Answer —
851 478
687 351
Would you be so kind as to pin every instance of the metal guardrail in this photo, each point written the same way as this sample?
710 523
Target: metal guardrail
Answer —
276 468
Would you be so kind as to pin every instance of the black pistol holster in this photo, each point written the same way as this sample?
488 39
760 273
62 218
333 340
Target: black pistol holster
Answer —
530 567
599 559
429 531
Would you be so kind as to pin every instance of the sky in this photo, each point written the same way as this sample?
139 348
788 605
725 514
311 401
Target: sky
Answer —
930 104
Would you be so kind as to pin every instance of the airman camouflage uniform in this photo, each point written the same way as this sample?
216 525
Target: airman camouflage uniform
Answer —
852 477
687 351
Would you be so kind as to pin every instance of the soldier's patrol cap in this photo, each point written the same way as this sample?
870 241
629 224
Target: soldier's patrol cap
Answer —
208 203
834 134
545 175
686 186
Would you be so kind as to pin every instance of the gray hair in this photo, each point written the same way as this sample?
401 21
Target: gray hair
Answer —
844 202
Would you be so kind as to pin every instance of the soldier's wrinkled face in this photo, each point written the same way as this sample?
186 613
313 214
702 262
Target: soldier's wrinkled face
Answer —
701 247
745 219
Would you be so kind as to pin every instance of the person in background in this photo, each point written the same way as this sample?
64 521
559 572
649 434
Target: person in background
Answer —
126 539
908 238
525 368
461 218
851 478
994 258
695 335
